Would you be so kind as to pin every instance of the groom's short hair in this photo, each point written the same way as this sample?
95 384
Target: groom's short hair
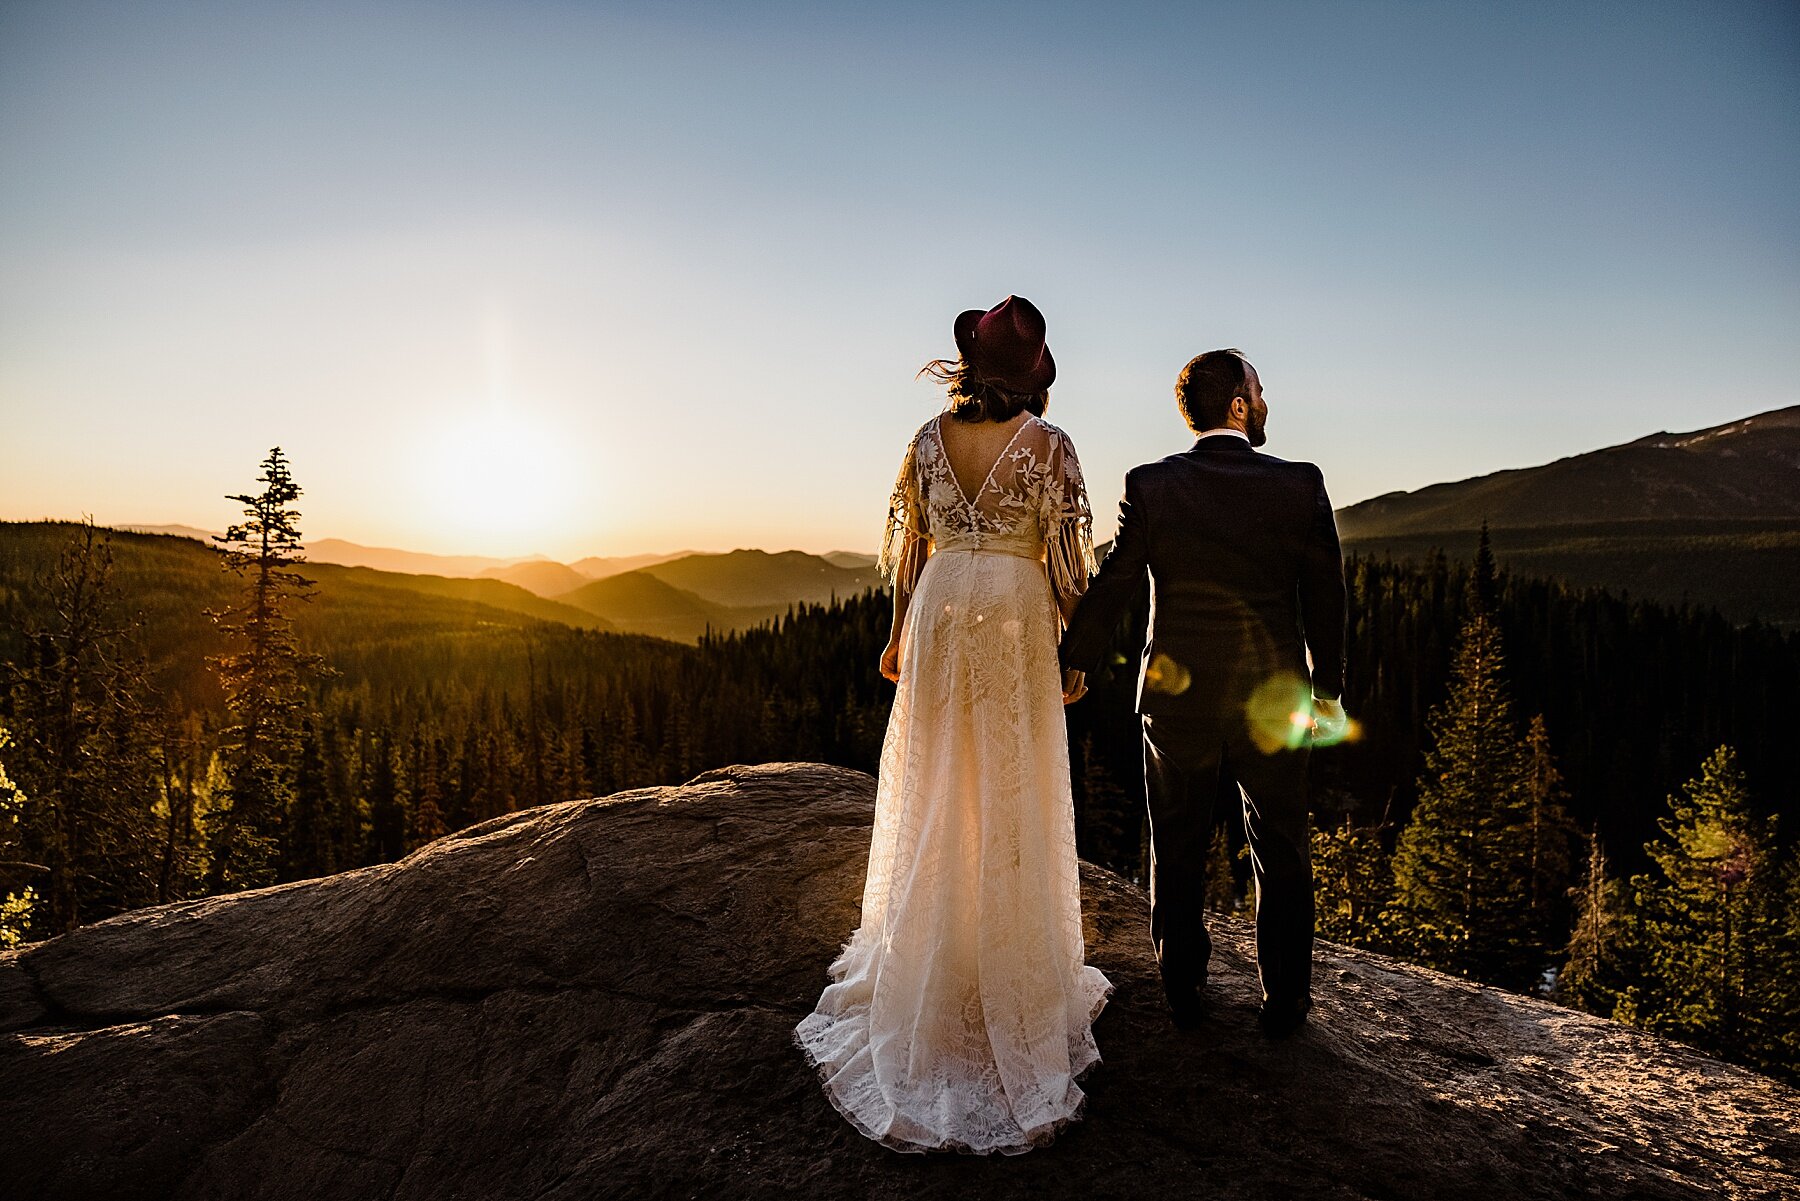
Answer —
1206 386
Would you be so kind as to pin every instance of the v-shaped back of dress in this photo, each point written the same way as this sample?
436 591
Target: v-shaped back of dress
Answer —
1032 503
937 430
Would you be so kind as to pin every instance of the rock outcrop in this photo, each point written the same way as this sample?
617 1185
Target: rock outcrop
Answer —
594 999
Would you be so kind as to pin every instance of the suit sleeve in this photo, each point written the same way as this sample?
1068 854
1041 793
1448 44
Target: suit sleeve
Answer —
1111 590
1322 603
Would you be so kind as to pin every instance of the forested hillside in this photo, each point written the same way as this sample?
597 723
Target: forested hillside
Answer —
430 712
1709 518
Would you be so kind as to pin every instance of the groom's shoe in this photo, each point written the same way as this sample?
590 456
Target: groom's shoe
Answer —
1280 1019
1185 1005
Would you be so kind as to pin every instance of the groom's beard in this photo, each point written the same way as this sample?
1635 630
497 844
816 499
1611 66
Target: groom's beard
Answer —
1256 433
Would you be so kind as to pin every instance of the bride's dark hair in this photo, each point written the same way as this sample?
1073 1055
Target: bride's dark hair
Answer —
975 399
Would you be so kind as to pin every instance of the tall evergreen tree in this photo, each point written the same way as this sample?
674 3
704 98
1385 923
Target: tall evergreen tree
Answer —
1712 909
262 680
1461 866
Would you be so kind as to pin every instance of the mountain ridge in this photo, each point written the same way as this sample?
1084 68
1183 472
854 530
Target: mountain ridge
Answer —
1744 468
751 578
1708 517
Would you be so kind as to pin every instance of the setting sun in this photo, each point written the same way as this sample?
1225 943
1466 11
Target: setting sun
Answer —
497 473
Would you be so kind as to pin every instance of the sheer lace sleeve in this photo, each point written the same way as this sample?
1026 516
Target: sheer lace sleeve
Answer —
905 545
1068 520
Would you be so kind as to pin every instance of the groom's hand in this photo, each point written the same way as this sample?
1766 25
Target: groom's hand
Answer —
1329 720
1074 686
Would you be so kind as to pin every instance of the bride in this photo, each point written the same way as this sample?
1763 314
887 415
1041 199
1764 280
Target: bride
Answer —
959 1011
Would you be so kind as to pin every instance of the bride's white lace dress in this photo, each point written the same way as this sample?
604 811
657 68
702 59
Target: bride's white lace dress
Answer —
959 1011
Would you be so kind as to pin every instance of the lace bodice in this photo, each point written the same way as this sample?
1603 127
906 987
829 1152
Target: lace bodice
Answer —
1033 504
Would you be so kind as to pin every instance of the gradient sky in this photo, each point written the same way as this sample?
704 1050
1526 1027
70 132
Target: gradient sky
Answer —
578 279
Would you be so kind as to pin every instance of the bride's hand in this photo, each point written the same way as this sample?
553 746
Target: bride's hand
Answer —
1074 686
890 661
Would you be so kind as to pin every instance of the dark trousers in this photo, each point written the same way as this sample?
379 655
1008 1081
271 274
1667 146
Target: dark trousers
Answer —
1186 760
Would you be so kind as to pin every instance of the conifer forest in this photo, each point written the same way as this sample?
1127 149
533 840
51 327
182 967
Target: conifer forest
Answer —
1565 792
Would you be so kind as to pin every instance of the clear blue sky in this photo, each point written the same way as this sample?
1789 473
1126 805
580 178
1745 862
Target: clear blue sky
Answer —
590 279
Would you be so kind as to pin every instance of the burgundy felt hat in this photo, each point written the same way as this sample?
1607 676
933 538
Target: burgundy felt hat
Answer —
1005 345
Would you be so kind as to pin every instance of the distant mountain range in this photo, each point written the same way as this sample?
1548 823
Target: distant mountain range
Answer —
1711 517
545 577
386 558
761 578
681 598
676 596
596 568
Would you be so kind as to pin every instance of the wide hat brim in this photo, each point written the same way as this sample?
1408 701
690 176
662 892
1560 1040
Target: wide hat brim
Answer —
1034 377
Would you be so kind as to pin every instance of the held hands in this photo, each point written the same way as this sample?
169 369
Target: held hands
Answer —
890 660
1329 721
1074 686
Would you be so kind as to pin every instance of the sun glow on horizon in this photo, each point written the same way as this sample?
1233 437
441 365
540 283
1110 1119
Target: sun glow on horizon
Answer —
498 473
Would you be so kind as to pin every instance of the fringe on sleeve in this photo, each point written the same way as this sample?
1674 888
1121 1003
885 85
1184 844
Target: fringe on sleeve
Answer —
905 544
1068 523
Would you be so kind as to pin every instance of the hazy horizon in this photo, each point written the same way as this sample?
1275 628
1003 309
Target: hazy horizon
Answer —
536 278
610 553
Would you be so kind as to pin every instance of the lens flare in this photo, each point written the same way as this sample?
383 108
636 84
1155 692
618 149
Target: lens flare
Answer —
1166 675
1281 716
1272 711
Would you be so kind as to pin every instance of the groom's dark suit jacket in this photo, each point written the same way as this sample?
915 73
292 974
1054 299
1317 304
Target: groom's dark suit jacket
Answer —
1246 574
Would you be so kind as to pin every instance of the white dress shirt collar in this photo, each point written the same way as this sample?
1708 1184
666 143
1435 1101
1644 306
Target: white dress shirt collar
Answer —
1225 429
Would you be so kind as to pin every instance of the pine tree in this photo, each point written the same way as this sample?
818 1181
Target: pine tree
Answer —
1461 865
1593 974
460 810
262 681
184 759
1712 918
343 800
1779 1048
1353 883
307 851
17 900
84 719
387 810
426 814
1221 884
1549 833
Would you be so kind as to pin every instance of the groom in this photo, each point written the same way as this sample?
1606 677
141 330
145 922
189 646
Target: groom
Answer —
1246 580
